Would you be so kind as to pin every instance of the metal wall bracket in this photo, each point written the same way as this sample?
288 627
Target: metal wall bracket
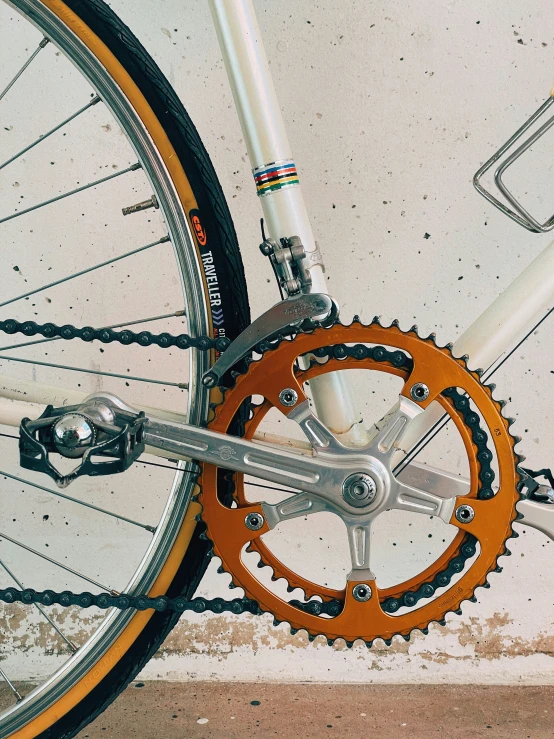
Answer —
519 214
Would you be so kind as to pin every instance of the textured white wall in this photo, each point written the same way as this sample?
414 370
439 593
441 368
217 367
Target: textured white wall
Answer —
390 109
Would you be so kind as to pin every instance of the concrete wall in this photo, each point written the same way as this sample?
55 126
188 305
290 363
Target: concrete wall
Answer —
390 108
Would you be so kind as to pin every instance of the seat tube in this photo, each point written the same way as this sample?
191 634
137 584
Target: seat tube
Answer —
276 179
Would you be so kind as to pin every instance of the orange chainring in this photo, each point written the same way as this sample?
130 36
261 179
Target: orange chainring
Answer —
439 370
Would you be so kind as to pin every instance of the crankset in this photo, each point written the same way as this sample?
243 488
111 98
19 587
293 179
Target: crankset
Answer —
355 484
363 483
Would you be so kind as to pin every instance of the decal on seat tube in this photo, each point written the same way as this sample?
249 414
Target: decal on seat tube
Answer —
275 176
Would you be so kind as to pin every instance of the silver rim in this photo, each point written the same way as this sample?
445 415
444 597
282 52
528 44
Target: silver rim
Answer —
96 646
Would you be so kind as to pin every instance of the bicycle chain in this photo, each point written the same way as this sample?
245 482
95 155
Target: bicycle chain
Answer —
108 335
29 596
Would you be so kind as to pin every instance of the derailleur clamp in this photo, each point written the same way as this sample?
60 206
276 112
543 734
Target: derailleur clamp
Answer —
291 263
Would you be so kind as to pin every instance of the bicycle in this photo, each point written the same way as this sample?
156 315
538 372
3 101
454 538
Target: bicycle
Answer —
296 365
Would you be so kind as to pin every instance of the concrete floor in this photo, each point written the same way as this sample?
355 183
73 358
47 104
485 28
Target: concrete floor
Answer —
160 710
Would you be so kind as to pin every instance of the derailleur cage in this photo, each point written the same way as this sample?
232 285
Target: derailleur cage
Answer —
82 431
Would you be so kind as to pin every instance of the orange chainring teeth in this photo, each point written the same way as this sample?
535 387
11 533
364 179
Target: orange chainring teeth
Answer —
490 524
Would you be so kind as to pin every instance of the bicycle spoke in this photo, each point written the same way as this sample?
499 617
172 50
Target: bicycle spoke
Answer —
44 136
40 609
86 271
83 503
24 67
181 385
167 467
132 168
11 686
58 564
176 314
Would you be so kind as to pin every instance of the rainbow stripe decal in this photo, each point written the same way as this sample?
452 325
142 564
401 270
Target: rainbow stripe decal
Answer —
275 176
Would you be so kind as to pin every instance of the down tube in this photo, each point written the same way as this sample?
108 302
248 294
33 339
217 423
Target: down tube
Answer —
498 329
276 179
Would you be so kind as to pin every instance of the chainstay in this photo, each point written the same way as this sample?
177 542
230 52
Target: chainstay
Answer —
108 335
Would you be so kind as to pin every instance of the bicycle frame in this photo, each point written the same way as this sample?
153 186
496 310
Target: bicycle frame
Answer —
487 341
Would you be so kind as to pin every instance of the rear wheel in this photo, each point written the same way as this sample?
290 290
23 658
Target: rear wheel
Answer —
66 256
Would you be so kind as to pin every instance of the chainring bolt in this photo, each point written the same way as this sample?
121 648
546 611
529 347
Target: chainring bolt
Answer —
465 513
288 397
254 521
361 592
419 392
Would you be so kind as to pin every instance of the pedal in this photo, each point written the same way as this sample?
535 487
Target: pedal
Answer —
535 491
517 212
107 440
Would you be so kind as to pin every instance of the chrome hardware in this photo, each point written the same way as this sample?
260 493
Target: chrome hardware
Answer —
519 214
314 306
361 592
419 392
144 205
464 514
73 434
288 397
291 263
359 490
254 521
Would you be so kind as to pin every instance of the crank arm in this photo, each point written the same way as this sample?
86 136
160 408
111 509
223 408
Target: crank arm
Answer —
534 514
291 311
321 475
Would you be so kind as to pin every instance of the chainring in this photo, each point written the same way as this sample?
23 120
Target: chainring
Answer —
413 359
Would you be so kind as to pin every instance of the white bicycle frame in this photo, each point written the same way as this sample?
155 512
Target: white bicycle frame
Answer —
514 313
487 341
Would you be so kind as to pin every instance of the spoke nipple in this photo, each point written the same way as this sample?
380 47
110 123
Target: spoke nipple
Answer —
254 521
288 397
95 99
361 592
44 42
465 514
419 392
